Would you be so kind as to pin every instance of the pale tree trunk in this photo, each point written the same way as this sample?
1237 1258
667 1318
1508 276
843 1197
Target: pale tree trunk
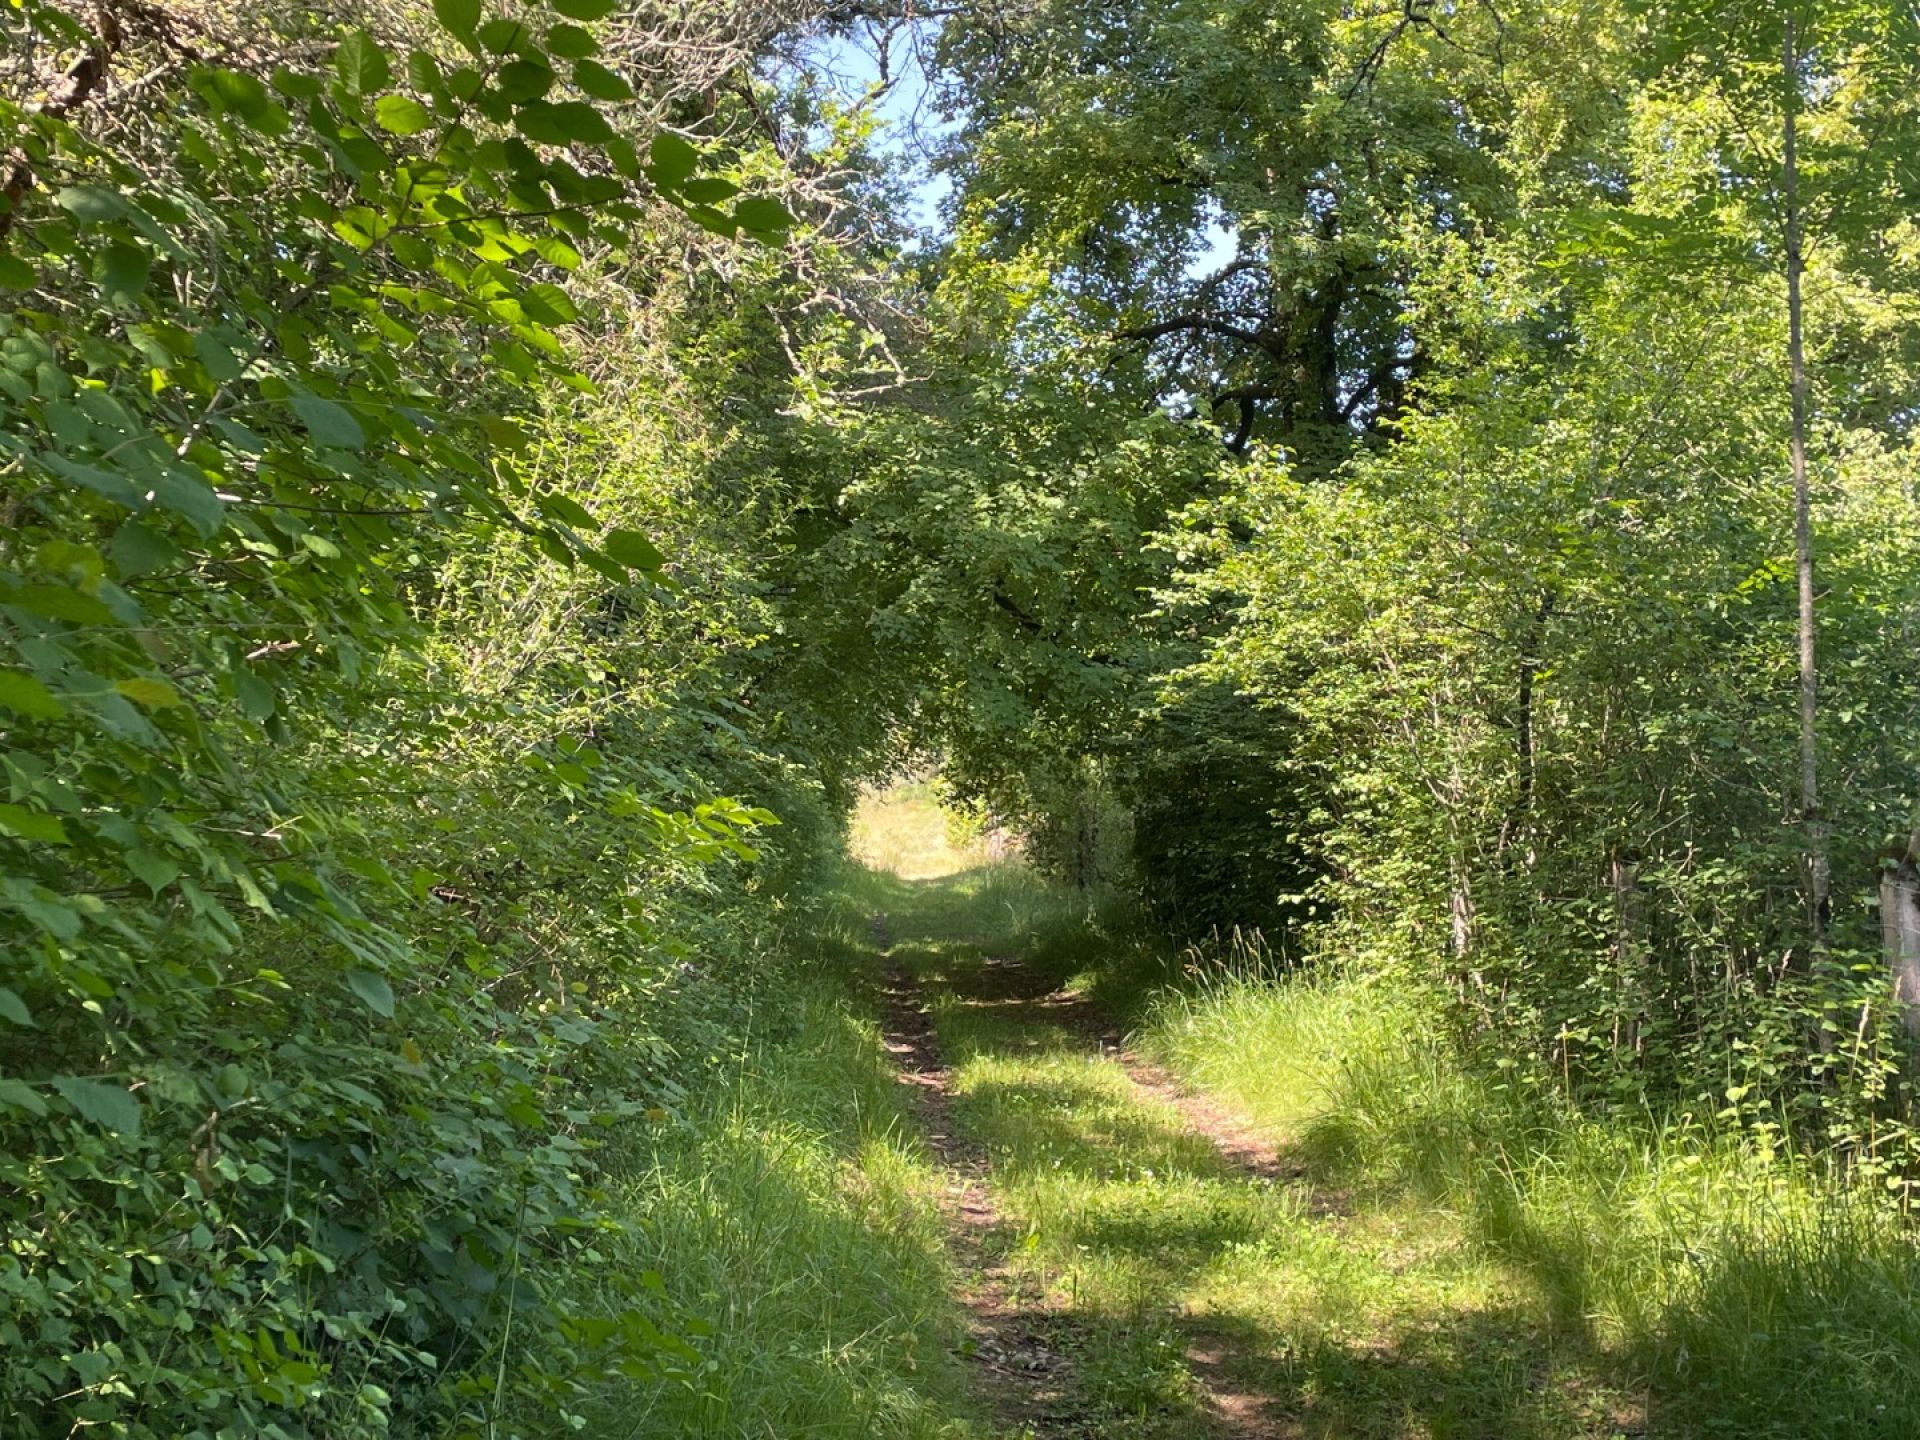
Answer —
1818 879
1629 948
1900 932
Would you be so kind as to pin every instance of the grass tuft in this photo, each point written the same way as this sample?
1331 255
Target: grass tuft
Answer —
787 1215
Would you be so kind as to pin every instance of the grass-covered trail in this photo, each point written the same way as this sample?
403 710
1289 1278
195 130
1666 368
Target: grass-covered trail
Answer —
1140 1261
990 1168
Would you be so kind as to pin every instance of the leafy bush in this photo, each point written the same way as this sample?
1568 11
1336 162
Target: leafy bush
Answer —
342 925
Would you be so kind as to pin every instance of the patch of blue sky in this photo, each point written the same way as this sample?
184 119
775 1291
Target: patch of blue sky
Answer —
910 128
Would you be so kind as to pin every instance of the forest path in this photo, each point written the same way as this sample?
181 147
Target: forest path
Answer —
1137 1261
1049 1364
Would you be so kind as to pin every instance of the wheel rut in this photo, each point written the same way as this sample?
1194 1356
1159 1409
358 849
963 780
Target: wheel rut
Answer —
1025 1375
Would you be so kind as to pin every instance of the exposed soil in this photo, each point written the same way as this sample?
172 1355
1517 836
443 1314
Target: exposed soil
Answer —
1021 1345
1024 1374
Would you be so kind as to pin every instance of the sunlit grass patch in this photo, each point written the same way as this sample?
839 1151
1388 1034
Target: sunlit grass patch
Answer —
1377 1315
1465 1256
1744 1294
789 1216
903 830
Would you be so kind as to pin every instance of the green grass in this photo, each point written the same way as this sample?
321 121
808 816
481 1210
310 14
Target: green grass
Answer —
1468 1256
1462 1257
901 832
1137 1247
787 1215
1742 1295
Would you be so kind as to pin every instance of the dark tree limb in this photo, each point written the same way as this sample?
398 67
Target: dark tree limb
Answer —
1523 737
66 95
1205 323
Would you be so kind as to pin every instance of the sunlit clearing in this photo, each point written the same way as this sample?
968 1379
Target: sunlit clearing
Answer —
903 829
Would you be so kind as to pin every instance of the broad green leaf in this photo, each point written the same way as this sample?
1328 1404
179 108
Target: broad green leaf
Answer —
460 17
296 84
596 80
557 252
14 1009
17 274
626 160
670 160
32 825
137 549
554 546
108 484
25 695
319 545
401 115
155 870
220 362
548 304
18 1095
567 509
255 695
373 990
108 1106
58 602
762 214
633 550
361 64
569 122
570 42
327 422
90 203
423 73
502 37
123 273
152 693
600 564
238 93
190 496
523 81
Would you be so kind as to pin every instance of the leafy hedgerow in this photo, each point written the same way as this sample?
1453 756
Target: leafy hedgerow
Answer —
298 1107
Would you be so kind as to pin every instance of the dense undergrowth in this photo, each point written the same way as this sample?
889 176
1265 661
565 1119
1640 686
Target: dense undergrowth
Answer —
371 770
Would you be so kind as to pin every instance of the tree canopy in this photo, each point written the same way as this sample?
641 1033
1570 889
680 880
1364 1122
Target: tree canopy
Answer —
485 483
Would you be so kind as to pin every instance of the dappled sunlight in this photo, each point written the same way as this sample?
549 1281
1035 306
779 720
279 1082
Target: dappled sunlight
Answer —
1638 1256
1195 1292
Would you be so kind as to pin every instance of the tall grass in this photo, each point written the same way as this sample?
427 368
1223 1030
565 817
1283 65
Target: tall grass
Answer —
1747 1294
782 1229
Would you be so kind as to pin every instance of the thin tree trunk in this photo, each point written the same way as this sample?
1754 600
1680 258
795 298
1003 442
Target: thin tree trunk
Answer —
1816 831
1900 932
1629 949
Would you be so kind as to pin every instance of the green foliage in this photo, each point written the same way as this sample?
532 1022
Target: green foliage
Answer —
1327 482
340 929
1472 648
1547 702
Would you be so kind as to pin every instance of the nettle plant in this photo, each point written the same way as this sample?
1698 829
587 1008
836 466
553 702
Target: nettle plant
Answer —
278 1155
